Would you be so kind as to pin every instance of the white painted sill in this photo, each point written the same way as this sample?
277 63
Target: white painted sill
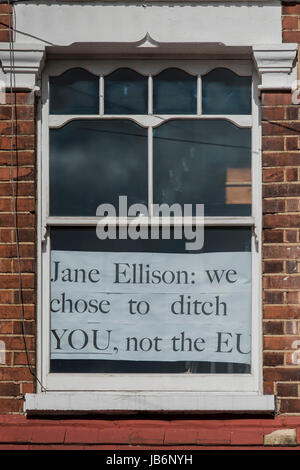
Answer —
185 402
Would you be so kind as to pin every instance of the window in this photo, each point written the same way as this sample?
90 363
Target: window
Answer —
150 311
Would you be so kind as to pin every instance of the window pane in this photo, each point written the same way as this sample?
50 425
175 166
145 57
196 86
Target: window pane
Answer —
93 162
80 246
74 92
125 92
174 92
203 162
224 92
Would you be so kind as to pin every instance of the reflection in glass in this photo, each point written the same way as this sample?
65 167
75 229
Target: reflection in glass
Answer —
74 92
125 92
203 161
224 92
174 92
217 239
93 162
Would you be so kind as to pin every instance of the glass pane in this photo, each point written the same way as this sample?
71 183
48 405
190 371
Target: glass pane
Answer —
125 92
79 249
203 162
93 162
224 92
74 92
174 92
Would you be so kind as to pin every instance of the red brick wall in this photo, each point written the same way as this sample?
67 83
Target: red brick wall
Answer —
4 22
15 377
281 280
281 249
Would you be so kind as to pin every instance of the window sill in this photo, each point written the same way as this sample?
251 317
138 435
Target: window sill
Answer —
186 402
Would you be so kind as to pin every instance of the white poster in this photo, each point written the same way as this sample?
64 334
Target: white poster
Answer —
151 306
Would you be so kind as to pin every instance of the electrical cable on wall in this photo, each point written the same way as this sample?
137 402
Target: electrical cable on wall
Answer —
12 86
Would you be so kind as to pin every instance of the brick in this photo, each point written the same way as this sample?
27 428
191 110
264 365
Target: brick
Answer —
15 374
291 174
283 374
273 236
291 236
290 22
291 266
291 405
6 297
287 390
249 437
17 342
6 327
280 128
273 205
4 8
14 311
272 143
280 282
5 266
273 174
281 159
275 98
292 113
48 434
291 36
17 327
290 8
6 235
26 157
82 435
273 267
9 389
27 388
28 297
280 252
279 343
22 189
273 327
292 297
273 359
22 358
11 404
11 281
22 142
292 143
4 36
25 235
26 265
280 220
273 297
273 113
292 205
268 388
20 128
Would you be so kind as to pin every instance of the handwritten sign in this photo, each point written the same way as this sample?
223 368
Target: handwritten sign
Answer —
151 306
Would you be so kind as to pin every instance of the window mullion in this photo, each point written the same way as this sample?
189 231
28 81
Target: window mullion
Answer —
101 95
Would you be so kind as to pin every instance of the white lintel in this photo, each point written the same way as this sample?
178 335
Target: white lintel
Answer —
276 65
24 61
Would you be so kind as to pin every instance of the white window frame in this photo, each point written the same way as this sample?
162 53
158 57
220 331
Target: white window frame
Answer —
144 383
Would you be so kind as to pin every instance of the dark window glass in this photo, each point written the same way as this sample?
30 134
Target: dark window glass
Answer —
125 92
203 161
94 162
74 92
174 92
224 92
